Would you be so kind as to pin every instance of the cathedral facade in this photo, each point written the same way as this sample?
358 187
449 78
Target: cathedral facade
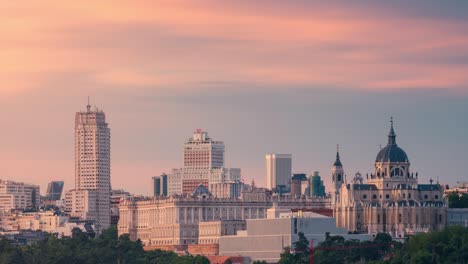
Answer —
388 200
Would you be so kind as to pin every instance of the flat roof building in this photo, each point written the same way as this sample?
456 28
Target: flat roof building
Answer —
265 239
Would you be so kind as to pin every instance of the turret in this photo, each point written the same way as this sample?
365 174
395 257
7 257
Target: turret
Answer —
337 171
337 177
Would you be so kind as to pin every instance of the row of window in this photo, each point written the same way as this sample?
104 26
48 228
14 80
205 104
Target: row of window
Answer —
387 196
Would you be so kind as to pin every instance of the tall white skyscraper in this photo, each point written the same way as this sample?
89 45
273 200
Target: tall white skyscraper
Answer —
278 171
91 197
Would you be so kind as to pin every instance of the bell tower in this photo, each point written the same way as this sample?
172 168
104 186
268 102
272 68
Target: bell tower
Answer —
337 177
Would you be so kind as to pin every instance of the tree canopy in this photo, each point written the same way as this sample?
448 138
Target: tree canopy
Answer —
447 246
81 249
457 200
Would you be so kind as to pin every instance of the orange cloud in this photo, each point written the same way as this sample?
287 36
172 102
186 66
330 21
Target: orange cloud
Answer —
177 44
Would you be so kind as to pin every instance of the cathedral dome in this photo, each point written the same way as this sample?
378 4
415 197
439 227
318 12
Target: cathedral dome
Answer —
392 153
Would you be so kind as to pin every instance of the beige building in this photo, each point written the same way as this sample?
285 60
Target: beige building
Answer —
18 195
203 164
46 221
91 197
460 188
81 203
176 220
389 200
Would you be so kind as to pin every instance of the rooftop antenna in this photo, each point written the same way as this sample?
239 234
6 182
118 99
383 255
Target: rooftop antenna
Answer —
88 107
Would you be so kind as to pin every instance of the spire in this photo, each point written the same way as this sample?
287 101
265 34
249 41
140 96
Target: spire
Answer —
337 161
88 106
391 135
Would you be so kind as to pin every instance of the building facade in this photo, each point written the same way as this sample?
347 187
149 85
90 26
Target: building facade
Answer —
91 196
18 195
460 188
390 200
156 186
175 220
54 190
265 239
278 171
202 152
298 181
226 190
457 216
317 188
203 164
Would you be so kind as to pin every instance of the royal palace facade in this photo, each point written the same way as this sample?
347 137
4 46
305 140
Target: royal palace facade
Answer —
185 220
390 199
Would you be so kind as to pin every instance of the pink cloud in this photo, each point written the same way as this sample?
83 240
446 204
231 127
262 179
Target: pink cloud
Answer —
177 44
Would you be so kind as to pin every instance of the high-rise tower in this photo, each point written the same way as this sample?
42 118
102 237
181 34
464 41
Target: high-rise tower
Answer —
203 152
278 171
92 168
203 165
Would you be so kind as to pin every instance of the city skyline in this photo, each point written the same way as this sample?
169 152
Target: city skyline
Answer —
262 77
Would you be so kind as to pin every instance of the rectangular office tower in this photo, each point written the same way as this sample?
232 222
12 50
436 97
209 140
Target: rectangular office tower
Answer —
202 152
18 195
91 197
203 165
160 185
54 190
278 171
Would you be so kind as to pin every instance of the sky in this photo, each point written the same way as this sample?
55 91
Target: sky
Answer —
293 77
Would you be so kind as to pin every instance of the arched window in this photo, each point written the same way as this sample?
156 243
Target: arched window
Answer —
396 172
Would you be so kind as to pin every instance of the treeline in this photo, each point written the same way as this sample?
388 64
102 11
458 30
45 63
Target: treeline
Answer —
457 200
81 249
444 247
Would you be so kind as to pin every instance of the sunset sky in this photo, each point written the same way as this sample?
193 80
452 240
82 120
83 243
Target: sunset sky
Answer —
293 77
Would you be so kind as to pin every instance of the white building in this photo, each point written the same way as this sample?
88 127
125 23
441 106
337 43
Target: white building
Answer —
203 164
82 204
457 216
460 188
46 221
203 152
18 195
175 220
278 171
91 196
390 200
265 239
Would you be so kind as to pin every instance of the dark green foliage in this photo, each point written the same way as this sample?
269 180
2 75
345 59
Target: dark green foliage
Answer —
439 247
259 262
301 252
81 249
458 200
447 246
335 249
